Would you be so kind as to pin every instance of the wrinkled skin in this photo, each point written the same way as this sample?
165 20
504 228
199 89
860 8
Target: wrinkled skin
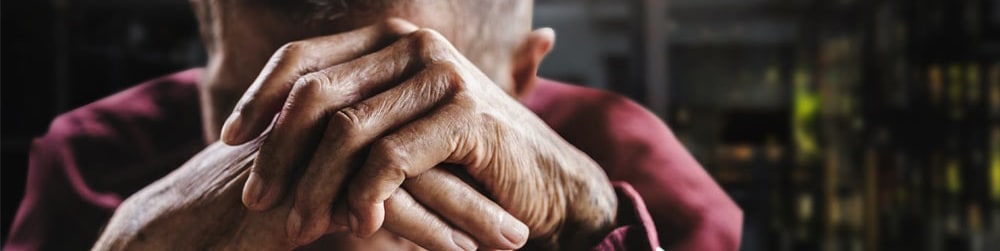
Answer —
436 107
197 207
373 109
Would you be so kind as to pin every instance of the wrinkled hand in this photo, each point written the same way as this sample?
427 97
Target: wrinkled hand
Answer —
197 207
352 109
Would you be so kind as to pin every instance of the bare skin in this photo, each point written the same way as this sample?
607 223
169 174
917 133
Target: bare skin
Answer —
363 117
198 207
436 107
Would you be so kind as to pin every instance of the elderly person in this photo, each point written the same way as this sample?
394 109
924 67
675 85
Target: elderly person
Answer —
353 124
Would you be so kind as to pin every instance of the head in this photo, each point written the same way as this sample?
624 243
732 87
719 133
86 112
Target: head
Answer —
240 36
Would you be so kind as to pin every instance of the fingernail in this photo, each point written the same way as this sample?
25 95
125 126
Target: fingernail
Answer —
231 129
253 191
515 232
294 225
353 220
463 241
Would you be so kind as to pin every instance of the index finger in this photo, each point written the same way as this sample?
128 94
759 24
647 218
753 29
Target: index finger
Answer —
264 98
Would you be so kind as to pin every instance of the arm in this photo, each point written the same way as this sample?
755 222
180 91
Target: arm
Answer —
55 206
196 206
691 211
633 146
93 156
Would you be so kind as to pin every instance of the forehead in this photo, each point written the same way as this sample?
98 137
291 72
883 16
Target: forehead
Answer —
313 14
335 9
296 19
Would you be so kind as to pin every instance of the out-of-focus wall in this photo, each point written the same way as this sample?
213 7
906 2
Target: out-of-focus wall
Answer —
836 125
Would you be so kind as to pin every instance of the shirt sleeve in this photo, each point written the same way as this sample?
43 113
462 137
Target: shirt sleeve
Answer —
635 230
59 211
94 156
691 211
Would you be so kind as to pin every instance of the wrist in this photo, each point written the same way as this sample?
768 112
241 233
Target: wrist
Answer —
591 215
591 206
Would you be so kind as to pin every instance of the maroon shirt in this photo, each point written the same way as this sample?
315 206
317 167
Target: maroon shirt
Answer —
95 156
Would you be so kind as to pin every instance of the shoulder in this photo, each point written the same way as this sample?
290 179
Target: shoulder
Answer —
635 146
136 131
94 155
565 106
611 128
150 100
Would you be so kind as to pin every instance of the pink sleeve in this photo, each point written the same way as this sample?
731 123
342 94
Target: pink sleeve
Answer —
635 230
59 211
691 211
95 155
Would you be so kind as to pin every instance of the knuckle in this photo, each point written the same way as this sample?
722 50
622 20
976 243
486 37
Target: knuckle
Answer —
449 69
432 45
307 89
491 122
426 36
446 77
294 57
392 155
344 123
453 76
293 48
311 83
287 56
465 101
388 148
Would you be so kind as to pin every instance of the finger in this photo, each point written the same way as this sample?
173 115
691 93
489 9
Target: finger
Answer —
465 208
304 113
408 152
347 133
339 220
263 99
408 219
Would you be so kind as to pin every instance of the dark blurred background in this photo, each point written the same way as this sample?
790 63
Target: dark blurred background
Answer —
836 125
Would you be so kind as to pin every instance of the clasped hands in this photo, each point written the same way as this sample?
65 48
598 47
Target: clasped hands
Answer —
364 123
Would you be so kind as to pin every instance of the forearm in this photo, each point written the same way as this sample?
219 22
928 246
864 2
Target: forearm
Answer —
196 206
